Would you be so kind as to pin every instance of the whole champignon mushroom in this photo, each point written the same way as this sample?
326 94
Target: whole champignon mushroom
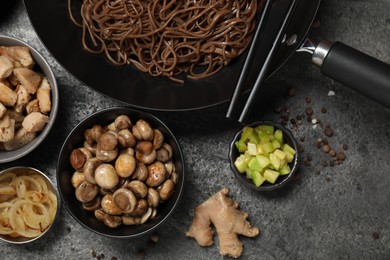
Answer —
145 153
156 174
158 139
122 122
78 157
106 176
165 191
165 153
170 167
77 178
90 147
140 208
86 192
109 206
141 172
138 188
153 198
127 151
112 221
130 220
89 169
126 138
93 134
99 214
124 200
93 205
106 149
142 130
125 165
146 215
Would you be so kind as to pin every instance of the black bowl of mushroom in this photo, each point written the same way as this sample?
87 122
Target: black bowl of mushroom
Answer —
120 172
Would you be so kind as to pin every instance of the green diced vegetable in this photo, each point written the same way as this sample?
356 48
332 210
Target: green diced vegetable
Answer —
275 144
275 161
257 178
240 163
241 146
278 135
288 148
267 147
269 129
285 170
246 133
248 173
254 165
280 154
263 161
252 149
271 175
254 138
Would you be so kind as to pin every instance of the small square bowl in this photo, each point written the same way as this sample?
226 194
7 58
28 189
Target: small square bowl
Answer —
281 180
43 67
28 171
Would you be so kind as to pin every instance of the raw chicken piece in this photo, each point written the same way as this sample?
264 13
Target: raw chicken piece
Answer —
21 138
33 106
28 78
20 55
35 122
6 66
3 109
7 128
43 95
22 100
7 96
18 117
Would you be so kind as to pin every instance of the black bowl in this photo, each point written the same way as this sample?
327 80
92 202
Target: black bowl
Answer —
65 171
266 186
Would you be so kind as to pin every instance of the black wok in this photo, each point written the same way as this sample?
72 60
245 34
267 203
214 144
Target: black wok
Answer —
63 40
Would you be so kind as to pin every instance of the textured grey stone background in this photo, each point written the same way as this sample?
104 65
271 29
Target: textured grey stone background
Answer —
340 212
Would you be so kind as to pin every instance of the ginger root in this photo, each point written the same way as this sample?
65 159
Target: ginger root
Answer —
228 220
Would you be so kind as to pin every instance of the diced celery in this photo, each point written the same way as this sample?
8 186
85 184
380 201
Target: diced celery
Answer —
252 149
248 173
254 165
264 137
288 148
275 144
254 138
263 161
285 170
278 135
280 154
246 133
289 157
269 129
260 149
257 178
275 161
271 175
241 146
241 163
267 147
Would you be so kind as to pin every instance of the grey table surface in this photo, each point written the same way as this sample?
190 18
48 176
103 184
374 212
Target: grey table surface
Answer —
327 212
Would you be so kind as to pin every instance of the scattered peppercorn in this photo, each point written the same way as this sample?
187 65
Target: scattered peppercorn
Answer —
345 146
302 138
309 111
375 235
323 110
140 254
325 148
292 91
277 109
301 148
332 152
114 258
328 132
308 99
341 156
331 163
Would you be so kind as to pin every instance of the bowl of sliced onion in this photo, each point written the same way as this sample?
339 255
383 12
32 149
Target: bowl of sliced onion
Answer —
28 204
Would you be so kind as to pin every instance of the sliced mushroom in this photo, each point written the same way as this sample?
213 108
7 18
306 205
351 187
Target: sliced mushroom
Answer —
156 174
112 221
86 192
138 188
106 176
122 122
109 206
145 153
93 134
125 200
126 138
141 172
165 191
143 131
77 178
140 208
89 169
79 157
158 139
125 165
93 205
153 198
165 153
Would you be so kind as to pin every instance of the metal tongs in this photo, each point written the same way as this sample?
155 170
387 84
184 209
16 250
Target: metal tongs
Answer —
266 63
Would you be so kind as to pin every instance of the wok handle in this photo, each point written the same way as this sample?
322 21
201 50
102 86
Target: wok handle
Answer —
360 72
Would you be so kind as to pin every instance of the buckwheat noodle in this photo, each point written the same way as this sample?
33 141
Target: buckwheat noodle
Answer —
167 37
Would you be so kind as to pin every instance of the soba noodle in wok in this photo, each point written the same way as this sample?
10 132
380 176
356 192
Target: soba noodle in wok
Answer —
167 38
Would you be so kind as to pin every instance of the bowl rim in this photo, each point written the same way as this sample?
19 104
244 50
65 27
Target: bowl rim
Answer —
53 187
179 191
48 72
287 134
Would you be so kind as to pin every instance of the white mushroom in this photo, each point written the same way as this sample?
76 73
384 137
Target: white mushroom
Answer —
106 176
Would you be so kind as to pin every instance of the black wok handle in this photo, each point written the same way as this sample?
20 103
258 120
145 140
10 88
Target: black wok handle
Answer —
360 72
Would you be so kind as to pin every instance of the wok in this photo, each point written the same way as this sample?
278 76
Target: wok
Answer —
63 40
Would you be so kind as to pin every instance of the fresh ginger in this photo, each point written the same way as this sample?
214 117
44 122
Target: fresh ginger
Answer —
228 220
